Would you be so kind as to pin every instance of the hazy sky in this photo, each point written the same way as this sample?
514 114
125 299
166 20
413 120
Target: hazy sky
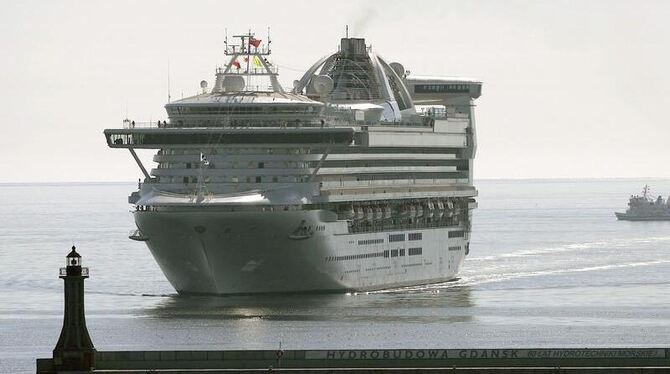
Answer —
571 88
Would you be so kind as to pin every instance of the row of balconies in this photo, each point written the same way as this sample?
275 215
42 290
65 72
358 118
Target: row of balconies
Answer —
417 188
365 165
390 170
214 155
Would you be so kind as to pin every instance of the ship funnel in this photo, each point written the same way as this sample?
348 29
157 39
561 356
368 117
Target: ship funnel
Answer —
352 46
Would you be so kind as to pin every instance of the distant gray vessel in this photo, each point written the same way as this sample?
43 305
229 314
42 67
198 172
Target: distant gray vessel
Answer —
645 208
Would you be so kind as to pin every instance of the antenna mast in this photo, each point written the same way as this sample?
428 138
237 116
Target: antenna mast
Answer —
168 79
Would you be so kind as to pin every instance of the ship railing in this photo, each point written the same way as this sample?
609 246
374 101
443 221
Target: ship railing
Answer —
236 49
250 122
63 272
444 115
441 111
253 71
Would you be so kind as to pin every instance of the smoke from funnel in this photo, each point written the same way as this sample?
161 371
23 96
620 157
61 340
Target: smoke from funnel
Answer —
361 22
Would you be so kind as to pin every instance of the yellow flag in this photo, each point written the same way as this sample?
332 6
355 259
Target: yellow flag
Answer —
257 62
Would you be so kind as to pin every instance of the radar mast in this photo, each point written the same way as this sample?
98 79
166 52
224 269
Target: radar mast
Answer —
247 58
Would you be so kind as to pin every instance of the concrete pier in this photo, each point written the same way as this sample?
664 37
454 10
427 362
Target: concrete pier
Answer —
593 360
74 353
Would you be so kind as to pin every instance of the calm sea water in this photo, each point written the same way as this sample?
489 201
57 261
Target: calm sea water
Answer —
549 266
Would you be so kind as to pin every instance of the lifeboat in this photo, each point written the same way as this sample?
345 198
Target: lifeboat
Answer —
388 212
404 211
359 212
412 210
349 212
450 208
440 208
379 214
419 211
429 210
369 214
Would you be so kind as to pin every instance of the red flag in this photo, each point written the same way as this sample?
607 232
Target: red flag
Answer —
236 64
255 42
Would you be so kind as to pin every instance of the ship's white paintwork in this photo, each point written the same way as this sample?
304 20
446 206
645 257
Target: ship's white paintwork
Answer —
252 252
341 184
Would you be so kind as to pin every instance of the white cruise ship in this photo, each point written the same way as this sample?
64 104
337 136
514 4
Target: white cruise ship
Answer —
358 178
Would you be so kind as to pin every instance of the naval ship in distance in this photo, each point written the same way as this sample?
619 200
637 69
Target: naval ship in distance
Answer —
645 208
358 178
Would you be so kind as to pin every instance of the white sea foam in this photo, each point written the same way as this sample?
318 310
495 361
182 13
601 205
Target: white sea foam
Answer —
614 243
504 276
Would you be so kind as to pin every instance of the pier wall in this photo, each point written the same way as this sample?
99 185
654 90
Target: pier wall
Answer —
398 360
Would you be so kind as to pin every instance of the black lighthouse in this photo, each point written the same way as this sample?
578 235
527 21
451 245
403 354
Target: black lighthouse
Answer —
74 350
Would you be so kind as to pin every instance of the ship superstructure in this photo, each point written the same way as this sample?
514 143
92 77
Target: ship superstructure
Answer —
358 178
644 208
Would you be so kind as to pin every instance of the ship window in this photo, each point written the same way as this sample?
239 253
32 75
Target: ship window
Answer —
261 165
258 179
185 179
414 236
414 251
235 179
456 234
370 241
455 248
402 252
386 253
188 165
394 253
397 238
275 179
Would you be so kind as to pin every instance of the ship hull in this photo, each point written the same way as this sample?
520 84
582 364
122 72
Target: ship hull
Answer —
251 252
629 217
